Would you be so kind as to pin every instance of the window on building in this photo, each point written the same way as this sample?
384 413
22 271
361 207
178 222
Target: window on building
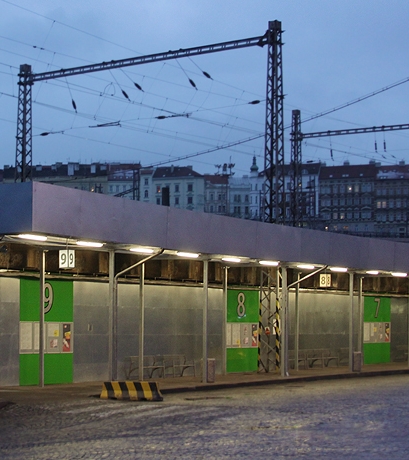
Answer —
190 187
176 201
212 197
146 181
356 188
211 208
342 215
158 189
176 188
111 188
157 200
117 188
335 215
189 200
146 194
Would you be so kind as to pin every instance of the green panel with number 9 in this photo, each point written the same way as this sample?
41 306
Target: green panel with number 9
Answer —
58 300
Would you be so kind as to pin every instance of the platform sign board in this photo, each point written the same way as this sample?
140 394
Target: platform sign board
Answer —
66 258
377 329
58 332
242 330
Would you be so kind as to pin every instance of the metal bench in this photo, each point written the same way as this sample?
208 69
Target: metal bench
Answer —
151 364
177 364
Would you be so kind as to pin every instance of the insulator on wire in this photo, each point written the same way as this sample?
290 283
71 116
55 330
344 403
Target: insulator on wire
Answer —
256 101
138 86
384 146
207 75
161 117
192 83
124 93
74 105
332 155
376 147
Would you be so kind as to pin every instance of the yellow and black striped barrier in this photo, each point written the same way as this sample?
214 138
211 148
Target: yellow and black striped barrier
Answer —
135 391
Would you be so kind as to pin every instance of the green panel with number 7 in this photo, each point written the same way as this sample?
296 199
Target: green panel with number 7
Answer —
377 329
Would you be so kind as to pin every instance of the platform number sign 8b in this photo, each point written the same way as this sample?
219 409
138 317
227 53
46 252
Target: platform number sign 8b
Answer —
325 280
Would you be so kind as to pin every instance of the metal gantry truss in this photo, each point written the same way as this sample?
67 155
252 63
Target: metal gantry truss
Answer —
299 216
274 135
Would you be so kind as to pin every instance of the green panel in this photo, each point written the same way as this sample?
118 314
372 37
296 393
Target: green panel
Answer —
58 368
242 359
375 353
377 309
62 307
29 300
236 299
62 301
29 369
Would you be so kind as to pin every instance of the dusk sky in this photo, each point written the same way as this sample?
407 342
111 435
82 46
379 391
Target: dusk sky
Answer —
335 52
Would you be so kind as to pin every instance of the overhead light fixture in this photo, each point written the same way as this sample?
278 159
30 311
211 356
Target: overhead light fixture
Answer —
372 272
398 274
270 263
142 250
339 269
234 260
28 236
306 266
90 244
188 255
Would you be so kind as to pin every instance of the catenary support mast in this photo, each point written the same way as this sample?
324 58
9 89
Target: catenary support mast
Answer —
274 192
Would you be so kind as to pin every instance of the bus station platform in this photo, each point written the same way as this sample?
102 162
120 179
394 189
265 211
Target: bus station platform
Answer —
31 395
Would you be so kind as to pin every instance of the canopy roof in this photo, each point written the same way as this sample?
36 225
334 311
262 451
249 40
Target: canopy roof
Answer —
66 215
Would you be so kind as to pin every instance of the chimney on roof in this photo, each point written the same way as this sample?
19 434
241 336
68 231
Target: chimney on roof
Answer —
346 163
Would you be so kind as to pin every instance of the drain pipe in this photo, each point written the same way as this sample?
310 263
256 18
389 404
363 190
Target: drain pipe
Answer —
114 365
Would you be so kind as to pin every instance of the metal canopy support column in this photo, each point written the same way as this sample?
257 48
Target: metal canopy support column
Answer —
24 126
274 192
285 323
224 351
141 321
360 315
205 317
296 206
351 321
114 316
42 320
112 307
297 322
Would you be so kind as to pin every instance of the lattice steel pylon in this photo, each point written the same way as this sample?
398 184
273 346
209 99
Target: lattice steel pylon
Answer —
296 214
24 126
274 191
269 354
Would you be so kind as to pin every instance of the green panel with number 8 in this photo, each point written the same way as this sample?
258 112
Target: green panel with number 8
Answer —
242 306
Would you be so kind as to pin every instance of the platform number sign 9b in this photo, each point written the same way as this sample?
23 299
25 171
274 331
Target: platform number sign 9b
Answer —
67 258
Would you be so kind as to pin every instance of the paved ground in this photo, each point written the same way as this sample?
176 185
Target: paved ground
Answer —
343 418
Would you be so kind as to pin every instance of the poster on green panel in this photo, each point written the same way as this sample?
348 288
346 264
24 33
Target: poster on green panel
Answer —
58 332
377 330
242 330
